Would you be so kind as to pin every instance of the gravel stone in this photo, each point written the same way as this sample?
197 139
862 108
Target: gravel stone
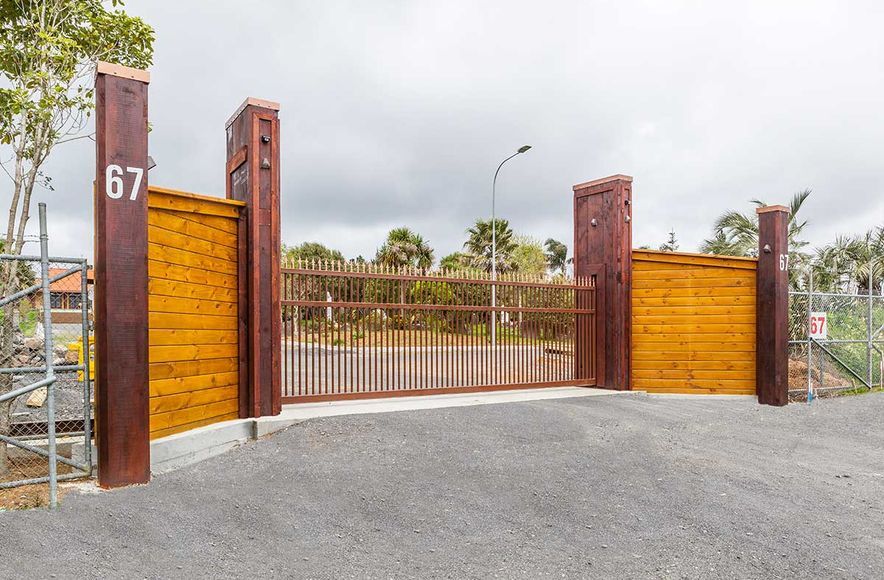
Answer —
674 488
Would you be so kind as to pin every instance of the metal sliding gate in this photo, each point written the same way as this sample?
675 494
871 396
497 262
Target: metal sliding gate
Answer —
352 330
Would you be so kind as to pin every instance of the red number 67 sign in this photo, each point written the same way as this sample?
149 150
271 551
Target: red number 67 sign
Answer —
819 326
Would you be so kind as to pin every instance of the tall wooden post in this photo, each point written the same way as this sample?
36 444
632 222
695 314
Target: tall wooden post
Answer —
603 248
253 177
121 319
772 290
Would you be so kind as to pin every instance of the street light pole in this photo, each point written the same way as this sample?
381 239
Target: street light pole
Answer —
521 150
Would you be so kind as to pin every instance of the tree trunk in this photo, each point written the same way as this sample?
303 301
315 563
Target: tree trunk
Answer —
4 427
7 347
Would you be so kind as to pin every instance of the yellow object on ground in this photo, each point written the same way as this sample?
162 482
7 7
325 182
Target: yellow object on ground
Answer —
78 346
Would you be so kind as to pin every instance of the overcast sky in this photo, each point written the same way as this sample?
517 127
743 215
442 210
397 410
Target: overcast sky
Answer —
397 113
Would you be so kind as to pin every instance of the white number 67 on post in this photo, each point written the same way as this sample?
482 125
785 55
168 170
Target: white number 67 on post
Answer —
113 181
784 262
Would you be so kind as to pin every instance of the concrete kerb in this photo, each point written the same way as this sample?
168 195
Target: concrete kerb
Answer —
177 451
182 449
704 396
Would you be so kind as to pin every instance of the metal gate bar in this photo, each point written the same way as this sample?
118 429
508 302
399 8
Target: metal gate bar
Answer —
359 331
853 318
37 437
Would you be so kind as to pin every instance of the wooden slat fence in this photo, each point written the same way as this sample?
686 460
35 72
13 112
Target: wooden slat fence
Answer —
693 323
193 310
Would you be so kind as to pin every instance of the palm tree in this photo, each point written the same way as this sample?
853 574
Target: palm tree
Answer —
850 263
478 245
719 244
556 255
869 271
832 265
404 247
736 234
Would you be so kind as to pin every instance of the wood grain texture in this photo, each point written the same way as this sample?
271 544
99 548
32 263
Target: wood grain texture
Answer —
121 282
193 383
181 201
252 175
658 259
187 415
162 287
603 250
176 304
160 252
694 323
165 336
168 370
191 226
165 271
773 306
188 426
213 248
193 311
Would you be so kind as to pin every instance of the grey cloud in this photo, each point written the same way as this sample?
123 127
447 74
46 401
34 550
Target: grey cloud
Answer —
397 113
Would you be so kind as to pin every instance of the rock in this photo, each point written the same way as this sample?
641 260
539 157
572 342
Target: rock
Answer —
37 398
34 343
71 357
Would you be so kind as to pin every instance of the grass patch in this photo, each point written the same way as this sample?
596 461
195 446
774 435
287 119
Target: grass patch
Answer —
860 391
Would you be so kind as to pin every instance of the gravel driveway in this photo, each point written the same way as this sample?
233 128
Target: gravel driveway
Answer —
604 487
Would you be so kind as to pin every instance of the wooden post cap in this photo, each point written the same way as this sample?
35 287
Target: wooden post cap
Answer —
251 101
594 182
125 72
771 208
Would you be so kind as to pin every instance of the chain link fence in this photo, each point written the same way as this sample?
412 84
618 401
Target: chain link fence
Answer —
45 382
843 354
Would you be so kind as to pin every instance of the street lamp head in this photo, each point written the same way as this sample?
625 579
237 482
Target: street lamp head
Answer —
524 148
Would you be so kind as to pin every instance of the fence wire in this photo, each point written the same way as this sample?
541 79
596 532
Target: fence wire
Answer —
850 355
25 431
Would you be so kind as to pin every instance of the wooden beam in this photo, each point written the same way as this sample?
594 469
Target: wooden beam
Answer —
603 248
772 289
252 176
121 314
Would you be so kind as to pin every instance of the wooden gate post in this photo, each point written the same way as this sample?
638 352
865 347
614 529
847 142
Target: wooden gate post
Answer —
121 318
252 176
772 289
603 248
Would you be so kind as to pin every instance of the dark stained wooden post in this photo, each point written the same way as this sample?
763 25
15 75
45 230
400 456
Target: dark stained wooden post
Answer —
603 248
772 289
253 177
121 319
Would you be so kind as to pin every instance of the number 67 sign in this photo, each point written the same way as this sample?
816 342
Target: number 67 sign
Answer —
819 326
113 181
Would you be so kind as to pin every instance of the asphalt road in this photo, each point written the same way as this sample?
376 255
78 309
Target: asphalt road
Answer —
600 487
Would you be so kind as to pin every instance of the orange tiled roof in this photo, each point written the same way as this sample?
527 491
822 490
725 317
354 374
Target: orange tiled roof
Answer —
69 283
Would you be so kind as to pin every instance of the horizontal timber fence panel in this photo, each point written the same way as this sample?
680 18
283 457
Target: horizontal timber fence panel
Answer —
193 310
693 323
361 331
